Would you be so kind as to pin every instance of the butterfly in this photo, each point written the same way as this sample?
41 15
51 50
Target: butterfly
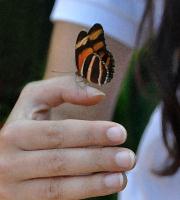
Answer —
94 62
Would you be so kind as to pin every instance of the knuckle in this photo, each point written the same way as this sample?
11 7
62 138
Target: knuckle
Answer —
29 88
91 133
99 160
55 134
54 191
57 163
5 168
9 132
91 137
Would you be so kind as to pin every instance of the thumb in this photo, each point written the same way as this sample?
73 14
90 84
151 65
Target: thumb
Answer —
43 95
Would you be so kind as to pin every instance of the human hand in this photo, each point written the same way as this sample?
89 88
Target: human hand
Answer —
60 160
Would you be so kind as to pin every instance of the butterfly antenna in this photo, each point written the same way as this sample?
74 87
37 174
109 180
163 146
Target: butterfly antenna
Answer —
54 71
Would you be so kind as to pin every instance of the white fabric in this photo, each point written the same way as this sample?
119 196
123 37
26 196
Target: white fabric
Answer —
142 183
120 18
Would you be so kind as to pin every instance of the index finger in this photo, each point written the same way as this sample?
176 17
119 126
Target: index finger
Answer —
40 96
55 91
41 135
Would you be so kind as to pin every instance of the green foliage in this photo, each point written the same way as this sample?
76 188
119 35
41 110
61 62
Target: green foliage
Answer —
24 38
137 99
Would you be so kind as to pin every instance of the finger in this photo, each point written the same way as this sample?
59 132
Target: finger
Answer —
64 89
70 162
67 133
73 187
40 96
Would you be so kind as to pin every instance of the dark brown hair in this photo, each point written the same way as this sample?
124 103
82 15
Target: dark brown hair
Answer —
164 69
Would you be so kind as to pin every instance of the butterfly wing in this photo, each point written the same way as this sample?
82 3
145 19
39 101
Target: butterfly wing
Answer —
108 59
97 40
94 70
94 62
82 50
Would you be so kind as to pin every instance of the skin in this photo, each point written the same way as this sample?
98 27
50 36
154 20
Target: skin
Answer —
62 159
46 151
62 60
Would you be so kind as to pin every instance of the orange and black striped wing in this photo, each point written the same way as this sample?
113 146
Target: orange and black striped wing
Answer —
108 59
82 50
94 70
97 40
94 62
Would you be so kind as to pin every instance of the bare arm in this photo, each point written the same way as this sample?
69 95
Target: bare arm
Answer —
61 59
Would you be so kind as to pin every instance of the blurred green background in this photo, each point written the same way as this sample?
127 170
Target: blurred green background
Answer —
24 37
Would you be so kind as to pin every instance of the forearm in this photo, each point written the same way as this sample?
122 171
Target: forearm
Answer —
62 59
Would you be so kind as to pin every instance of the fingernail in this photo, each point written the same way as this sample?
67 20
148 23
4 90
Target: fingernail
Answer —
117 134
94 92
114 180
125 159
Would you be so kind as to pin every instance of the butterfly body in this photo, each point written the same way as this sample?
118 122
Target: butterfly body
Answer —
94 62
